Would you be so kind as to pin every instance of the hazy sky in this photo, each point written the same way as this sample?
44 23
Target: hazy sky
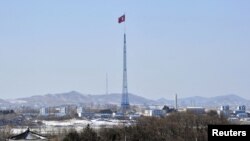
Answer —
189 47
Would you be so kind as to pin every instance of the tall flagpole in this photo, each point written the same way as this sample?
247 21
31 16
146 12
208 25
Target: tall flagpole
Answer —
125 100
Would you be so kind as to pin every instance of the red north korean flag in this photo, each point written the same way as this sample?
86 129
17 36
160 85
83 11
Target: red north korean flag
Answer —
121 19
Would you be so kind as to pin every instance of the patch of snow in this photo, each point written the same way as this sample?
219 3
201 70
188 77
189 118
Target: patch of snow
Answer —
14 101
70 122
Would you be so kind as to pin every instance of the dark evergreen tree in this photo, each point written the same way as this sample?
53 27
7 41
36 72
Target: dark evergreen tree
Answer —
88 134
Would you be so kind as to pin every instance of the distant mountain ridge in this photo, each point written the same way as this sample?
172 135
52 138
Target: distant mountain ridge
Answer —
231 99
77 98
3 102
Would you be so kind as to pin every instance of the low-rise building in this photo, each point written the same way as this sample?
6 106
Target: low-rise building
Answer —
28 136
240 109
196 110
155 112
80 111
44 111
61 111
224 111
242 115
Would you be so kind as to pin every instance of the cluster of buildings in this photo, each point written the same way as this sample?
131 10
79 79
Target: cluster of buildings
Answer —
239 115
156 111
234 115
240 112
83 112
55 111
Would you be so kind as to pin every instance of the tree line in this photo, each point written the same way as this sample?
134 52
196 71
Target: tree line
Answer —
175 127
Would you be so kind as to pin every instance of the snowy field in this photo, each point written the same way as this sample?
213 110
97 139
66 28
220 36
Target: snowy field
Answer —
55 127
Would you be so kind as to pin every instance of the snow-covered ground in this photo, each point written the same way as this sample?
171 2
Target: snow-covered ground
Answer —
71 122
95 123
54 127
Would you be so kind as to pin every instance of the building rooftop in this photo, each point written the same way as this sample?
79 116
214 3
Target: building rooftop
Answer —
28 135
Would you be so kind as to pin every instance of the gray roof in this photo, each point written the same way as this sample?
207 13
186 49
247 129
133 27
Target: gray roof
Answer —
28 135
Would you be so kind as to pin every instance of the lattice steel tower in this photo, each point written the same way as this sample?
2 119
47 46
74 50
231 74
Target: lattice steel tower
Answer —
125 100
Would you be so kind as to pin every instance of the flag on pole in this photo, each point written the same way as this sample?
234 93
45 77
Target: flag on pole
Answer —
121 19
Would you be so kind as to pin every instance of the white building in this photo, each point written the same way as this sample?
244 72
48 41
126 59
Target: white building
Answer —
155 112
62 111
44 111
80 111
224 111
240 109
224 108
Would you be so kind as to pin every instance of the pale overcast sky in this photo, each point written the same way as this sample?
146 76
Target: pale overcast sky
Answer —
189 47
